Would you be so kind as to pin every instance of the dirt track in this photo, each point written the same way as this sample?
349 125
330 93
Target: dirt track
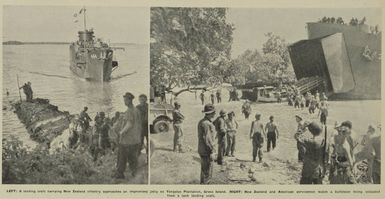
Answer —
279 166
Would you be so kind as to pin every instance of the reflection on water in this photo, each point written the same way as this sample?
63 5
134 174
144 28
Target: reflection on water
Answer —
47 67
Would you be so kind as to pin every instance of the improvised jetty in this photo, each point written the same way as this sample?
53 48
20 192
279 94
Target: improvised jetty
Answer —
43 120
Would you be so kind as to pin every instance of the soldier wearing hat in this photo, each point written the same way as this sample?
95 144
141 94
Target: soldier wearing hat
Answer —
220 127
129 137
177 120
257 135
312 171
206 144
301 128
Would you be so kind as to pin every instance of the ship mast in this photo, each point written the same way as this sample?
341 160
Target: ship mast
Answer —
84 17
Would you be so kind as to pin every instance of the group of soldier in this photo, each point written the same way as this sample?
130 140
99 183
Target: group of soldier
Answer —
222 131
124 133
334 153
310 101
217 96
339 20
325 19
338 154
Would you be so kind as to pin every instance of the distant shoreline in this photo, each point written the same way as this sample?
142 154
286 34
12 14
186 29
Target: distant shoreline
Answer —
54 43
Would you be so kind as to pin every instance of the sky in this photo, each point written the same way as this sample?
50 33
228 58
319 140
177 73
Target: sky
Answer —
56 23
131 25
251 24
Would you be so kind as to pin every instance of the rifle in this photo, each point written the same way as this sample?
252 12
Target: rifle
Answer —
324 150
18 86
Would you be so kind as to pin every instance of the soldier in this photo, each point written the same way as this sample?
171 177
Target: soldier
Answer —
272 133
232 126
202 96
246 109
312 171
178 118
342 159
27 89
375 146
85 118
301 128
313 105
307 99
219 97
206 145
115 118
143 109
104 142
220 127
129 133
366 151
257 135
74 128
212 97
323 113
99 119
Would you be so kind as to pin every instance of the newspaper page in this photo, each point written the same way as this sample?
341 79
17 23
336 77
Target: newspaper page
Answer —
192 99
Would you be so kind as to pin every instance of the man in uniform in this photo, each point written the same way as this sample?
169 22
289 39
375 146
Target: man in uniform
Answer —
272 133
232 126
375 145
257 136
27 89
323 112
104 141
85 121
212 96
342 158
143 109
177 119
246 109
206 144
129 133
312 171
202 96
220 127
301 128
73 132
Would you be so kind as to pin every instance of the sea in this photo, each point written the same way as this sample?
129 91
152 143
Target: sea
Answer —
47 68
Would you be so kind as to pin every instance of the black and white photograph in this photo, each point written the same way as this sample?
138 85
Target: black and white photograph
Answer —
272 96
75 95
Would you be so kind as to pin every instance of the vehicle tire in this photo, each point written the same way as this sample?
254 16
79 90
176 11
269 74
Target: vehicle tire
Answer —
161 126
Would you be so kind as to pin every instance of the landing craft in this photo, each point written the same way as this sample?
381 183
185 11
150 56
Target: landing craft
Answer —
342 60
90 59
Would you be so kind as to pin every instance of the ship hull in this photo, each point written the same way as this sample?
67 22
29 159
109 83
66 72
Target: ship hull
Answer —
93 64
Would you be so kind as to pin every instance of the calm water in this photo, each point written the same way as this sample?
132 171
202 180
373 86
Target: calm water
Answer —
47 68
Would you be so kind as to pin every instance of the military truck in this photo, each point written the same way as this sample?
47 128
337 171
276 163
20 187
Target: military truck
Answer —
160 117
160 111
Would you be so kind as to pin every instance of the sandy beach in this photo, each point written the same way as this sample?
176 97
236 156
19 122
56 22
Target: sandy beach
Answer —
279 166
